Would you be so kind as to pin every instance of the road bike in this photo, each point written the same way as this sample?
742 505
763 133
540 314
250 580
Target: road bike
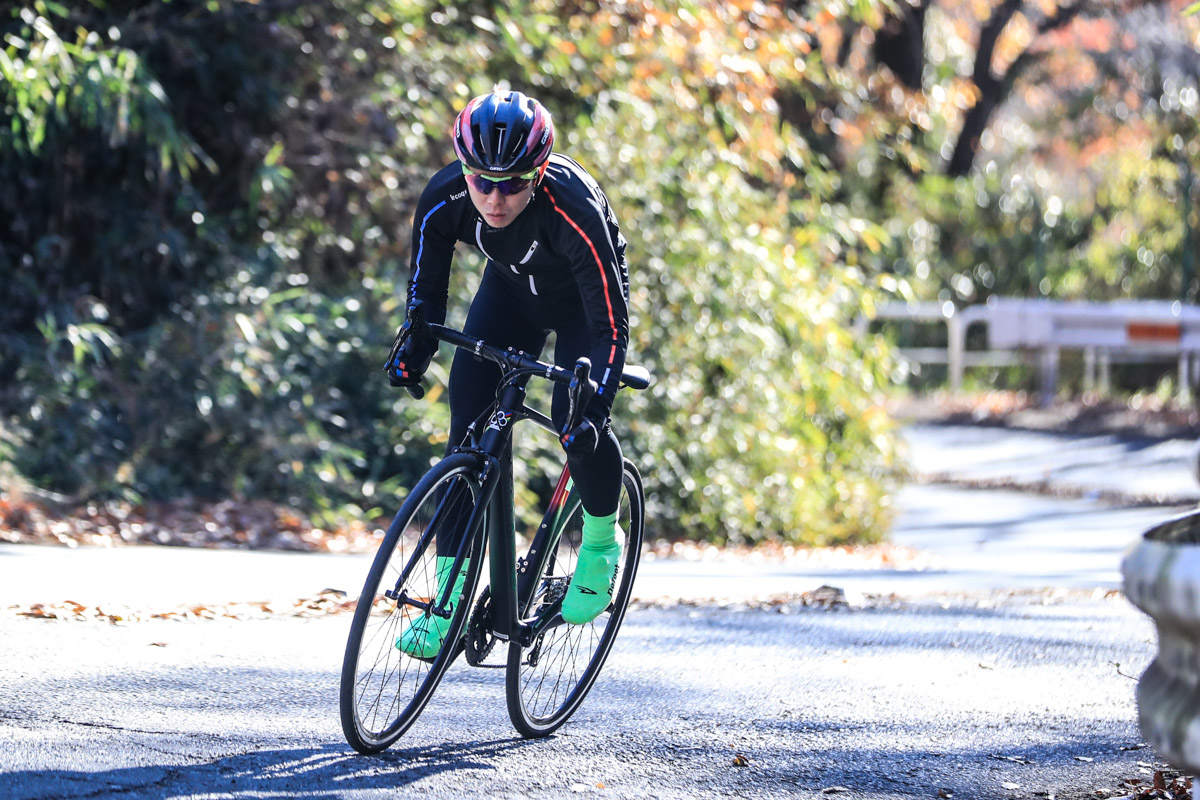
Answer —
551 664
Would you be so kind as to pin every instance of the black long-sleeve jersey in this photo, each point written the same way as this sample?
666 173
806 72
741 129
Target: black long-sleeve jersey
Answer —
565 246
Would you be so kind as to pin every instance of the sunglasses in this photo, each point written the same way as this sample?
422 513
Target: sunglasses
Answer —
507 186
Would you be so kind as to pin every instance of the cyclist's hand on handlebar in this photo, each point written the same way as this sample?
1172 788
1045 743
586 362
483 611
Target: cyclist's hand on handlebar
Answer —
414 348
582 439
408 365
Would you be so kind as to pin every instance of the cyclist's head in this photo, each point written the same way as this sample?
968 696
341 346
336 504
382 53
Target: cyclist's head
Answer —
504 132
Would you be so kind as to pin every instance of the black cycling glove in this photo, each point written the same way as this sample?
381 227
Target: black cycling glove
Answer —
412 351
583 438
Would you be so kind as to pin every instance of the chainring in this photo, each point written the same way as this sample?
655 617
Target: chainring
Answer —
480 639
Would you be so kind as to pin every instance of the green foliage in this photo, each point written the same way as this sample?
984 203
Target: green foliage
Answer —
1137 244
264 385
766 417
967 239
124 152
224 326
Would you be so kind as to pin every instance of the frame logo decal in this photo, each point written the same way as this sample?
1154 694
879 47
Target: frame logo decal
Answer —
499 420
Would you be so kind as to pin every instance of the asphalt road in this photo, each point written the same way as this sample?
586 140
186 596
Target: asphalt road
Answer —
987 698
999 664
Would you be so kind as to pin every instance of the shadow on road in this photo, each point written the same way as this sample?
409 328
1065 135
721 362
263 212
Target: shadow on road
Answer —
321 773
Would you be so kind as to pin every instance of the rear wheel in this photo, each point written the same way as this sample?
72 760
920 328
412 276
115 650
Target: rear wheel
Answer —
383 689
548 680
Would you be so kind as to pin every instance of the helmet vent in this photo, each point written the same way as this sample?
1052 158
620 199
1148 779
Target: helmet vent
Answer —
500 133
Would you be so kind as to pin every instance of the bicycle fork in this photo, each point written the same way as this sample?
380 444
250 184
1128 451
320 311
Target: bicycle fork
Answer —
443 606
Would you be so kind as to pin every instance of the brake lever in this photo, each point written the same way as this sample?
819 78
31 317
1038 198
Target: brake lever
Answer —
580 392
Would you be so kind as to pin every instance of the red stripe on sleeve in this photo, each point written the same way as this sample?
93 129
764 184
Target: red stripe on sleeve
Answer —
612 320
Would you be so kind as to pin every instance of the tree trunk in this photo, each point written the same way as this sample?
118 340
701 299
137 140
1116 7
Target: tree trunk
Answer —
994 89
989 86
900 43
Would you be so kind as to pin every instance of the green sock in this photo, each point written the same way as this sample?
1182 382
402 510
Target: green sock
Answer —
590 592
599 532
424 636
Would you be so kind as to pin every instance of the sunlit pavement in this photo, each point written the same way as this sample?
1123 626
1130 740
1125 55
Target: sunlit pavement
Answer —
1132 468
161 578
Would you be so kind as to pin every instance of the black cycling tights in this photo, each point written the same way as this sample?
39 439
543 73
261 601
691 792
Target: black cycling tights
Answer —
506 314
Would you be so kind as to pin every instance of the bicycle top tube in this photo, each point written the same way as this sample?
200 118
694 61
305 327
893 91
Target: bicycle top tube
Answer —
511 360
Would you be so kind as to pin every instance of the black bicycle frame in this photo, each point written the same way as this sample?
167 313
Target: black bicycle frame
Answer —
509 602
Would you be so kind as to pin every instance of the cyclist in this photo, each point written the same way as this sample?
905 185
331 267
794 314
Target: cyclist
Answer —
555 262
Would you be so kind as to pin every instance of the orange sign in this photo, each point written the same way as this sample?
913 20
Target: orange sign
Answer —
1152 332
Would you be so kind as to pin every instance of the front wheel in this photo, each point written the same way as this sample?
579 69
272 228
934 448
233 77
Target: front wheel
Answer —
383 689
548 680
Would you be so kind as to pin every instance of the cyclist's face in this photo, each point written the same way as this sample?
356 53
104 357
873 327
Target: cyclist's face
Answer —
500 210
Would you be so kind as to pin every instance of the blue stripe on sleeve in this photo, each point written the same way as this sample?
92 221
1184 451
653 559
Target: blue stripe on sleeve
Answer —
421 247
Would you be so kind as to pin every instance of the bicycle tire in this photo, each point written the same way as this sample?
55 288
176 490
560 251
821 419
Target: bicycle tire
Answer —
384 690
546 682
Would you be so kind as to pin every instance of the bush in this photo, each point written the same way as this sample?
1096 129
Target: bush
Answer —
246 363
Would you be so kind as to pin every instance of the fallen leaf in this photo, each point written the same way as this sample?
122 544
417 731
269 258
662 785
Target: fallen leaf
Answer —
741 761
38 611
944 794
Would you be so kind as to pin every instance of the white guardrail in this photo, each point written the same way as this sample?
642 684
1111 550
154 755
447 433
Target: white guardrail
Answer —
1125 331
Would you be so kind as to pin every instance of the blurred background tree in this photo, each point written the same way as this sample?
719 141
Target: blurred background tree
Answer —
207 209
1052 146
